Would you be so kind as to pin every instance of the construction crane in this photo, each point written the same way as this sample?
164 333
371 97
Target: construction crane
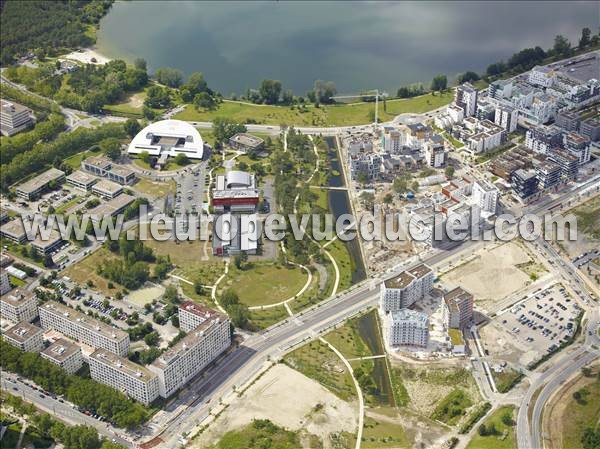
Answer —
367 94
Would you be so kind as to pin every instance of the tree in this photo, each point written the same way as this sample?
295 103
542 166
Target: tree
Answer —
562 46
415 186
400 184
169 76
140 63
388 198
198 288
229 297
585 40
196 84
270 90
111 148
171 294
449 171
467 77
152 338
507 419
157 97
145 157
439 83
182 159
323 91
204 100
132 127
224 128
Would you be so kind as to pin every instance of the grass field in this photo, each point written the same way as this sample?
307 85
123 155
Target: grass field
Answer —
75 161
259 434
452 407
334 115
154 188
340 253
581 414
261 319
317 361
507 379
132 106
348 341
588 217
505 437
264 283
85 270
382 434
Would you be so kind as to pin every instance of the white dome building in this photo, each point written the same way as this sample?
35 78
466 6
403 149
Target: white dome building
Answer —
168 138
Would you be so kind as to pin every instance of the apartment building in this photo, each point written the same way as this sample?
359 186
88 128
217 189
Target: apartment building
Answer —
578 146
506 116
485 195
407 287
591 128
568 120
83 328
4 284
524 183
457 310
547 173
541 139
541 76
203 343
81 180
408 328
465 97
569 164
65 354
33 188
120 373
25 336
20 305
435 153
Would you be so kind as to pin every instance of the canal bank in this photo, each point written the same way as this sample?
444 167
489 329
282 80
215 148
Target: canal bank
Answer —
339 204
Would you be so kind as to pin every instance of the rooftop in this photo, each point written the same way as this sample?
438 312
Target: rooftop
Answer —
402 280
123 365
14 228
41 180
110 187
247 139
419 318
22 331
11 107
99 162
85 321
81 177
111 207
61 350
420 270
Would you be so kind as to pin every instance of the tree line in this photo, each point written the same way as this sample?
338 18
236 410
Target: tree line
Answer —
81 391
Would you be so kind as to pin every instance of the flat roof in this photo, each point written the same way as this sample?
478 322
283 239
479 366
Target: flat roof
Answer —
41 180
412 316
420 270
456 337
22 331
81 177
98 161
456 295
121 171
112 206
17 297
85 320
11 107
108 186
61 350
400 281
53 237
14 228
123 365
247 139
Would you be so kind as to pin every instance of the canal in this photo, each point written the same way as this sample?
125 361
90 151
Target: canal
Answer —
339 204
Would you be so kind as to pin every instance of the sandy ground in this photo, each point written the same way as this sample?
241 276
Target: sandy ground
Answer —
502 346
145 295
86 56
288 399
493 274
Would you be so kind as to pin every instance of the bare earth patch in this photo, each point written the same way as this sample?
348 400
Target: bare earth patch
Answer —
289 399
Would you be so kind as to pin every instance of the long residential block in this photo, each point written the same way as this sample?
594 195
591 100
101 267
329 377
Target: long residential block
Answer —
407 287
83 328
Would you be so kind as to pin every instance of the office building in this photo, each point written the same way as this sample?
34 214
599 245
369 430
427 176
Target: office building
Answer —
25 336
81 180
111 208
407 287
591 128
47 246
14 231
246 142
107 189
134 380
203 343
408 328
168 138
568 120
105 168
14 117
5 286
466 98
33 188
65 354
457 308
20 305
83 328
121 175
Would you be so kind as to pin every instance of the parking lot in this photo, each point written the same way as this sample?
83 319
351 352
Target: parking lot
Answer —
542 322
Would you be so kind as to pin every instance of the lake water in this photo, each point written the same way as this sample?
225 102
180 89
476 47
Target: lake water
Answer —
357 45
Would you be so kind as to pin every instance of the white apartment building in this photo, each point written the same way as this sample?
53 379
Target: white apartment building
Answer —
4 285
541 76
65 354
408 328
506 116
18 306
466 98
485 195
403 290
122 374
83 328
393 139
435 154
195 351
457 310
25 336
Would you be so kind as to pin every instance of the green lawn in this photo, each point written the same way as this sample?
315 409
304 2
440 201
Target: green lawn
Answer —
85 270
75 161
505 437
340 253
260 434
264 283
154 188
507 379
333 115
15 281
581 415
451 409
261 319
130 107
348 341
317 361
382 434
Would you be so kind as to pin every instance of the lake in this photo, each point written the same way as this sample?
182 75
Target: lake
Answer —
357 45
